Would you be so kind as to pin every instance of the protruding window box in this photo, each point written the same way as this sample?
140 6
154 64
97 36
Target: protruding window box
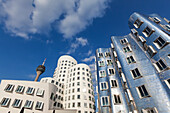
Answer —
17 103
142 91
119 66
129 95
103 86
151 51
5 102
160 42
39 105
161 66
30 90
115 55
123 77
168 82
9 88
20 89
28 104
155 19
117 99
105 101
138 23
150 110
102 73
111 71
112 46
130 60
140 38
148 31
113 83
145 46
134 32
40 92
124 41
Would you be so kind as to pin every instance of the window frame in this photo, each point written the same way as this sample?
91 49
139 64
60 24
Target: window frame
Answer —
157 67
108 99
6 103
139 93
130 59
124 41
115 83
30 105
32 91
130 49
11 88
117 98
167 83
103 88
155 42
109 71
103 73
145 32
40 106
40 92
99 64
136 23
18 105
135 73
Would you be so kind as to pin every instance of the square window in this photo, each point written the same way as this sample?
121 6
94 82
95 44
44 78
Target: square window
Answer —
160 42
127 49
28 104
130 60
9 88
100 54
20 89
39 105
142 91
30 90
101 63
109 62
40 92
17 103
107 54
5 102
102 73
111 71
147 31
124 41
138 23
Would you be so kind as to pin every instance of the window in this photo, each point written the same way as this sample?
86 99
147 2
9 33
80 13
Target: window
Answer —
102 73
147 31
138 23
51 97
135 73
17 103
30 90
168 82
20 89
73 97
130 60
111 71
73 105
117 99
101 63
113 83
52 81
127 49
166 27
39 105
28 104
9 88
150 110
155 19
40 92
100 54
109 62
104 101
78 104
124 41
107 54
151 51
103 86
142 91
5 101
78 96
160 65
160 42
85 105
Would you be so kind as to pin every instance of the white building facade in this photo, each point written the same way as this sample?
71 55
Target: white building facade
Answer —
70 90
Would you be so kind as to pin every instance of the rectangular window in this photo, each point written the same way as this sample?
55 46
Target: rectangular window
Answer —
103 86
85 105
17 103
151 51
40 92
160 65
102 73
155 19
168 82
135 73
101 63
147 31
39 105
78 104
100 54
9 88
130 60
5 102
113 83
109 62
138 23
107 54
117 99
150 110
105 101
28 104
142 91
160 42
127 49
124 41
20 89
111 71
30 90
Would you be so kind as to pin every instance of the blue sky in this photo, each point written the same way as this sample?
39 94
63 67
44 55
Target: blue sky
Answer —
33 30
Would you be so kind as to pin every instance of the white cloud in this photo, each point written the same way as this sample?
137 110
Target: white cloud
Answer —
32 76
89 52
89 59
78 42
26 17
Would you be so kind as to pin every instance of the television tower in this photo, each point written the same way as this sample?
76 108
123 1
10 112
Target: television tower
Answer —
39 70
